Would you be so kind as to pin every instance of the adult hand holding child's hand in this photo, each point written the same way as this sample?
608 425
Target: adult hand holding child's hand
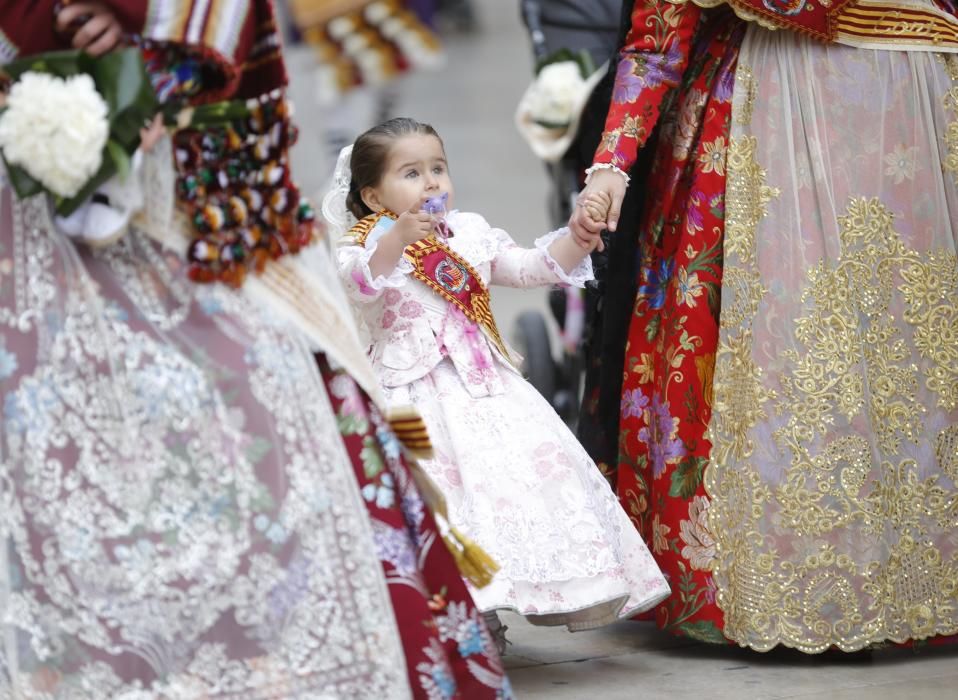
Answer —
603 182
594 207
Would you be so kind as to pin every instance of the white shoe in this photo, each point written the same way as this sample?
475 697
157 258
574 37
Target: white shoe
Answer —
498 631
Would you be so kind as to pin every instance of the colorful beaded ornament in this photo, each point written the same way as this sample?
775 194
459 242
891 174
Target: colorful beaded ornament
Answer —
242 203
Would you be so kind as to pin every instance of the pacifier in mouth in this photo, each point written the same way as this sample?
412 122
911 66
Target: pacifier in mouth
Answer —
436 206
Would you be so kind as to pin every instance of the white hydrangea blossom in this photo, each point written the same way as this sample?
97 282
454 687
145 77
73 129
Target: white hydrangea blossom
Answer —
553 95
55 129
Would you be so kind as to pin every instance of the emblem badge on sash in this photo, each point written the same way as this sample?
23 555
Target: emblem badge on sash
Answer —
451 275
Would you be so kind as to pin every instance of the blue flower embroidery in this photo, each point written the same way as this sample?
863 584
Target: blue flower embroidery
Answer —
32 406
444 682
8 363
656 282
470 641
390 443
384 495
272 531
210 305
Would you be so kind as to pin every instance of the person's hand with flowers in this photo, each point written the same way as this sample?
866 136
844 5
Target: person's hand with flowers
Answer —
95 28
55 129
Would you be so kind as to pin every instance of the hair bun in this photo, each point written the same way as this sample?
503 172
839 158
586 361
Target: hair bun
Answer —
355 204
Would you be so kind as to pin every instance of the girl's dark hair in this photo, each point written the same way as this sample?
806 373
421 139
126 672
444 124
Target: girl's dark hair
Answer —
370 153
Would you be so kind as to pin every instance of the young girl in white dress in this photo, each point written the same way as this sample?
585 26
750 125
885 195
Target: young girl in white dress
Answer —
516 479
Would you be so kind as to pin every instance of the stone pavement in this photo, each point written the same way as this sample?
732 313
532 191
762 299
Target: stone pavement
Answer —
635 661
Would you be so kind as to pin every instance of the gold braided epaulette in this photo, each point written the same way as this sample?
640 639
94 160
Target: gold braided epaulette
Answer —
411 430
362 228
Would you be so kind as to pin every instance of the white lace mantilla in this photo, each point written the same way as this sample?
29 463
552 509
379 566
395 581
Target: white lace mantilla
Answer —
178 516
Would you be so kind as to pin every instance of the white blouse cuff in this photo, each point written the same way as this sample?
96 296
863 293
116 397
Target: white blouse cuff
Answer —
605 166
579 275
396 278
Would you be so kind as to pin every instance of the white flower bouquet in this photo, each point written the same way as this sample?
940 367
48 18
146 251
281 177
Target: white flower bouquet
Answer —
72 121
560 80
549 111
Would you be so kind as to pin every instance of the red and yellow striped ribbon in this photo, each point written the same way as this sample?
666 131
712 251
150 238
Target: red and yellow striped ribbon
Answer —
897 24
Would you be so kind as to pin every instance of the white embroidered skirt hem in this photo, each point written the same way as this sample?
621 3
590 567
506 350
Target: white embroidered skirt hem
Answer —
520 484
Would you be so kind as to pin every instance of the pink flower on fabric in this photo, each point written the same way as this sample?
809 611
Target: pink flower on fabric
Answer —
393 297
360 281
343 387
546 448
543 468
710 590
411 309
699 549
389 318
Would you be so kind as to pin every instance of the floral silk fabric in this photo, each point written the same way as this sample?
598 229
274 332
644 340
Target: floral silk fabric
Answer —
789 422
450 653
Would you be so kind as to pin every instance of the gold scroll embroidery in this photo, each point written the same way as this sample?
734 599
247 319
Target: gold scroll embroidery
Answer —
836 422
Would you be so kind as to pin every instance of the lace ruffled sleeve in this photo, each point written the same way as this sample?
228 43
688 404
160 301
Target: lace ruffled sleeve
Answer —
358 279
651 63
514 266
579 275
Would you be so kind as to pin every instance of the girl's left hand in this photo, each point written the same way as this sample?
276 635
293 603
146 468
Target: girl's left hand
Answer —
100 31
595 207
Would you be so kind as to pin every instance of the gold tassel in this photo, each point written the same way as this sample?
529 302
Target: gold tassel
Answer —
473 561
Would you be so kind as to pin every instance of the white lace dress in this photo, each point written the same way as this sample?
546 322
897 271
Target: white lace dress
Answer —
516 478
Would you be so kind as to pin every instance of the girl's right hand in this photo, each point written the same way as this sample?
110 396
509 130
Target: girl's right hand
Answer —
100 31
414 225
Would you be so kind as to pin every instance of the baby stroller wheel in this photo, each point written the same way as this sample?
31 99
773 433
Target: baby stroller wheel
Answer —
532 337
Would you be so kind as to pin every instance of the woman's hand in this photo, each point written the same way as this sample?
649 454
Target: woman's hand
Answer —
606 182
97 30
152 133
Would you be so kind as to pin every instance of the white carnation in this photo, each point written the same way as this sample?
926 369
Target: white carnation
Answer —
377 12
553 95
354 43
391 27
55 129
340 27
